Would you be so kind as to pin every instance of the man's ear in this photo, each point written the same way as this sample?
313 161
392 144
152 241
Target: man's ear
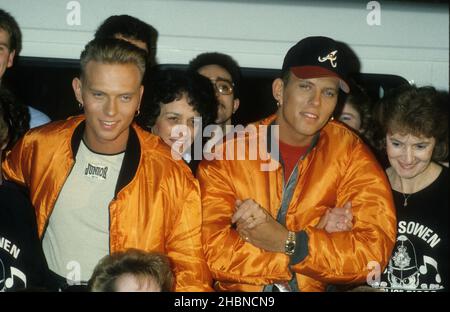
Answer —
236 104
141 92
77 85
277 90
11 59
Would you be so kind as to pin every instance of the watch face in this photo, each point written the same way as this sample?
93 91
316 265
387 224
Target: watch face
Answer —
290 247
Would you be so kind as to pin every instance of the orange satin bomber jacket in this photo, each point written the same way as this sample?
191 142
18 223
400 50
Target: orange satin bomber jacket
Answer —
339 168
158 209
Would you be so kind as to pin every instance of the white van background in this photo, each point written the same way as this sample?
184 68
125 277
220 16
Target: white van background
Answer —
409 39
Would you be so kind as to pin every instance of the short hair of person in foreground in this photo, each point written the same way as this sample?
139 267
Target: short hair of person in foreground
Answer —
112 51
132 271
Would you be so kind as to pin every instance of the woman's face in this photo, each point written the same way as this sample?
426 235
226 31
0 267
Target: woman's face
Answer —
177 113
351 117
409 155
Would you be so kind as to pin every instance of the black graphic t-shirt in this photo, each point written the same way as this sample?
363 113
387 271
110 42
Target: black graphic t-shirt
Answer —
22 262
419 261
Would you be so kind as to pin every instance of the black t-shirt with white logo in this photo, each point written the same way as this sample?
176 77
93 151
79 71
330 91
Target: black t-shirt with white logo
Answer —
22 262
419 261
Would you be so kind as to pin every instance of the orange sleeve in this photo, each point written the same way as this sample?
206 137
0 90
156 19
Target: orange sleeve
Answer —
184 244
15 164
230 258
348 257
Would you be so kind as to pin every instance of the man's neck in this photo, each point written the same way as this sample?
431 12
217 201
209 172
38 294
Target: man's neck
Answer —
107 147
288 135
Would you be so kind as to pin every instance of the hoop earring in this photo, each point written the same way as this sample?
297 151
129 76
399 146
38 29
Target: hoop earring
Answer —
80 106
137 113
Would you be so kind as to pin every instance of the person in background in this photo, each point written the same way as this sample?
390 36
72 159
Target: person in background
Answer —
261 216
99 175
132 271
357 113
22 261
225 74
179 98
18 116
10 47
357 110
133 30
414 127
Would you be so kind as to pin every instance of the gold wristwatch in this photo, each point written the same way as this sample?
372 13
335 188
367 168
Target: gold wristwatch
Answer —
289 245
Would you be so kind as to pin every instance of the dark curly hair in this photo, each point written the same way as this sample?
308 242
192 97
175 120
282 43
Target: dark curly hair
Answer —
132 28
168 85
16 118
223 60
9 24
420 111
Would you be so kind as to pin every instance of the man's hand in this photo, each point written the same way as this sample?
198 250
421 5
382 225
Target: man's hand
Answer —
256 226
337 219
248 214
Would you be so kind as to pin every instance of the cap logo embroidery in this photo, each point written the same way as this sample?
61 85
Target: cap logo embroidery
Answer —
330 57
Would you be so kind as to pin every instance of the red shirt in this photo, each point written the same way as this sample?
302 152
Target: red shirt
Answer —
290 155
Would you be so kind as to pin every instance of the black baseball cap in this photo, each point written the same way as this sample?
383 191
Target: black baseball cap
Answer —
315 57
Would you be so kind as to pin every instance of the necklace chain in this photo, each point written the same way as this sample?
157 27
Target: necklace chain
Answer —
405 202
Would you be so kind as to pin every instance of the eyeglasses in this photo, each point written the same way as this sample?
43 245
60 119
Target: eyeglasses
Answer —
223 86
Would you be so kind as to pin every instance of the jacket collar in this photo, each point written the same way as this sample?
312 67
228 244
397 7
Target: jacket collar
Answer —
130 161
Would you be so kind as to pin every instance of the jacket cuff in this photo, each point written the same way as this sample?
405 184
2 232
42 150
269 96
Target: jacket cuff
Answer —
301 248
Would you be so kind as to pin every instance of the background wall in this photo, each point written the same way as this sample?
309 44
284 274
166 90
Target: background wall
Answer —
411 40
